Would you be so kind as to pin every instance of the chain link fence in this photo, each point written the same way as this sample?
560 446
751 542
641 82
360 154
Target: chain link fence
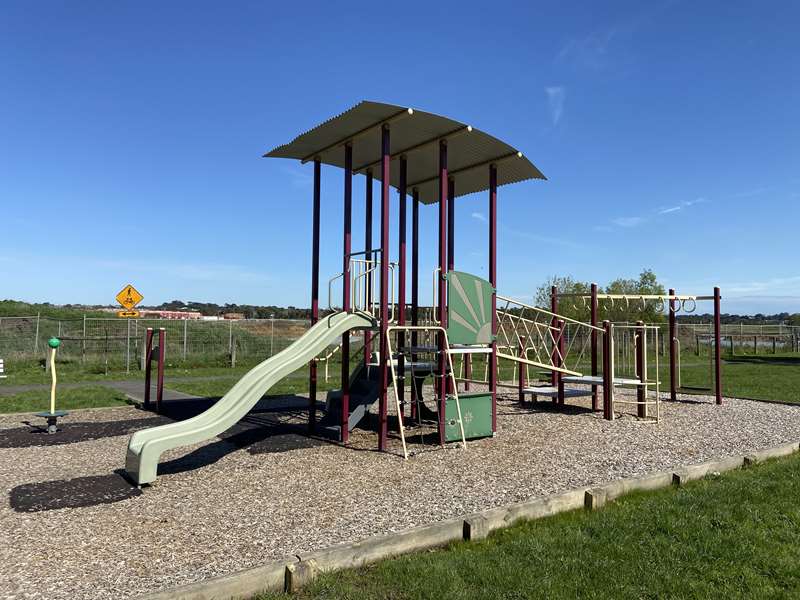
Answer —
121 341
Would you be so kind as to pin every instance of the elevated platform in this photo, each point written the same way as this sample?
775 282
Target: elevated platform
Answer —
598 380
552 392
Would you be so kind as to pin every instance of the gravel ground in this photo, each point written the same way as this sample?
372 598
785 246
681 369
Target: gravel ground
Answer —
230 507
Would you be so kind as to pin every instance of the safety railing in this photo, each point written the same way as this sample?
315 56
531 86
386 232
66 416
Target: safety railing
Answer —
531 330
364 274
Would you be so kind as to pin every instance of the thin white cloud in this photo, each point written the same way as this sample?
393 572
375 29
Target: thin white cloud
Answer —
628 221
298 178
555 100
479 217
542 239
681 206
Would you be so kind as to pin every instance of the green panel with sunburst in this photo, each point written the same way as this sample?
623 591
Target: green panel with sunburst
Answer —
469 313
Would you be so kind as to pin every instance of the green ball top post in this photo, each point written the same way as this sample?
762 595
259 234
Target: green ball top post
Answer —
54 342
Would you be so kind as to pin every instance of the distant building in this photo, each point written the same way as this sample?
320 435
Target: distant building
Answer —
233 316
170 314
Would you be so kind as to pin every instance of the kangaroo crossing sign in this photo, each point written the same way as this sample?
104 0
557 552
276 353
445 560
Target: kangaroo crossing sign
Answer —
129 297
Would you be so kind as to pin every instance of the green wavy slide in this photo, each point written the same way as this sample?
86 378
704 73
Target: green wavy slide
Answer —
145 447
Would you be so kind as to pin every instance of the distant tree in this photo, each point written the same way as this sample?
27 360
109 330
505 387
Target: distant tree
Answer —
574 308
620 310
634 309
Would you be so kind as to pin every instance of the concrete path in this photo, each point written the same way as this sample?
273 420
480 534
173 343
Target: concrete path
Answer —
134 386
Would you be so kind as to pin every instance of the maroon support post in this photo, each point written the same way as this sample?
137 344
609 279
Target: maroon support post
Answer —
346 304
442 308
593 311
554 325
641 408
717 345
312 366
384 324
493 281
562 335
521 378
401 289
414 292
673 350
368 256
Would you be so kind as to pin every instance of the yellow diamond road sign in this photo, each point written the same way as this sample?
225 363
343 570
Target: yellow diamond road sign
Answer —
129 297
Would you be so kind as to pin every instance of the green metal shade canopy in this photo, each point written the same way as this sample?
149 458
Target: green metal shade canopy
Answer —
415 135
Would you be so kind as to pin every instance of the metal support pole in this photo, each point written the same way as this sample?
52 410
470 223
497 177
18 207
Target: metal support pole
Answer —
639 344
368 279
493 281
384 324
128 347
36 335
521 378
608 370
162 349
185 336
148 370
717 346
442 308
83 341
673 350
414 292
401 287
344 414
554 324
562 338
312 366
593 311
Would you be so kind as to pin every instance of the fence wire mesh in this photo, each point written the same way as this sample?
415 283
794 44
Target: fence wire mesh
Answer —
117 340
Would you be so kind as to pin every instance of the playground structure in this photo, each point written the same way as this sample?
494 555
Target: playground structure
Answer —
438 160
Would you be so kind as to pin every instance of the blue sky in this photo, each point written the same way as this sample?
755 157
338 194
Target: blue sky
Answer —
131 136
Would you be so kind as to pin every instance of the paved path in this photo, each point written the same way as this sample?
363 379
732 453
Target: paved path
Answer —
133 387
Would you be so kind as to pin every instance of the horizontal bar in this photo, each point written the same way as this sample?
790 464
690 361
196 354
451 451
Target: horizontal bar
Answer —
636 296
537 364
452 174
361 132
415 147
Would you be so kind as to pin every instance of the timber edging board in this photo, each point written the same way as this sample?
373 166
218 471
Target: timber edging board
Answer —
291 573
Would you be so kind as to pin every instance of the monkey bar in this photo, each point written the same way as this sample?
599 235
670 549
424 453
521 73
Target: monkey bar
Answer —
670 302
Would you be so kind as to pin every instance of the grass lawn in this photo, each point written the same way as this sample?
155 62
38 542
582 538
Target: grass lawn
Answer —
761 376
732 536
91 396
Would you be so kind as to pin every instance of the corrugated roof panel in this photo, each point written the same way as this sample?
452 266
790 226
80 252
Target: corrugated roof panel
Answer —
469 151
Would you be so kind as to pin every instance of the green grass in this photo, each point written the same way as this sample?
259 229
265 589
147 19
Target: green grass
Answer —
734 536
774 377
92 396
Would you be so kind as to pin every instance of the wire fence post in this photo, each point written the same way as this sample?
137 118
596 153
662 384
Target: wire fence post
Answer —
185 335
36 336
230 340
83 341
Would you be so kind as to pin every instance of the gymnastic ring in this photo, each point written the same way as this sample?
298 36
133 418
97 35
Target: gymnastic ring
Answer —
660 305
694 305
